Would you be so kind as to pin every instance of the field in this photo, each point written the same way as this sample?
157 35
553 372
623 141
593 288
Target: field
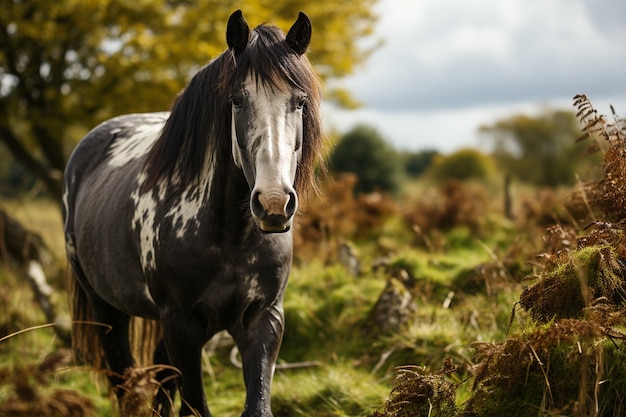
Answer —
329 312
433 303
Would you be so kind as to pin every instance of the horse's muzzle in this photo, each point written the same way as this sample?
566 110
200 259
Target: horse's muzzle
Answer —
274 224
273 211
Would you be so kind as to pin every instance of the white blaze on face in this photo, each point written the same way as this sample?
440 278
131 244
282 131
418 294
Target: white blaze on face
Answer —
273 135
266 126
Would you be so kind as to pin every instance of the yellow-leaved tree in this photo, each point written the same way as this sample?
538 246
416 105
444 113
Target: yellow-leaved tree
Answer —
66 65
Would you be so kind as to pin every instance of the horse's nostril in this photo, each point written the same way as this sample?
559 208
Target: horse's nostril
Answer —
255 205
292 205
273 206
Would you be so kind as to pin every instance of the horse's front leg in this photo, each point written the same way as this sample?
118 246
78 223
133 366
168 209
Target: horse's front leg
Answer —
184 338
259 344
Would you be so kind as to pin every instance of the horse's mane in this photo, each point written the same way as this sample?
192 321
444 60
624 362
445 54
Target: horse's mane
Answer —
200 120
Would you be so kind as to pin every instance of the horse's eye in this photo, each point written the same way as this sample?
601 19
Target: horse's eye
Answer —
301 102
237 102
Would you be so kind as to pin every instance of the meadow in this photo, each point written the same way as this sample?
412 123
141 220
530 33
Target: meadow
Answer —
429 303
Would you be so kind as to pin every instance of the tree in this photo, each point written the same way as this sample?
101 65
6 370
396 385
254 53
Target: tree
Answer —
416 163
66 65
541 150
463 164
365 153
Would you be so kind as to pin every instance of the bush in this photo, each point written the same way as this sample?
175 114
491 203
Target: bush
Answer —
464 164
364 152
416 163
568 357
321 227
451 205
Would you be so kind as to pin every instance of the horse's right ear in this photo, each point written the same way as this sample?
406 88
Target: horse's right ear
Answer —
299 35
237 32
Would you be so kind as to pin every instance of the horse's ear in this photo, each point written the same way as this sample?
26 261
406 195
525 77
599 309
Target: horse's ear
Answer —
237 32
299 35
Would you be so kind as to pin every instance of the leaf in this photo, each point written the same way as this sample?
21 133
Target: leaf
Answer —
76 63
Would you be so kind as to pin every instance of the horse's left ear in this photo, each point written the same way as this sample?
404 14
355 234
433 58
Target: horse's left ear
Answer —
299 35
237 32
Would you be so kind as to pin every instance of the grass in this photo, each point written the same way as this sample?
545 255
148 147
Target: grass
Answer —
22 356
460 287
326 310
442 321
43 216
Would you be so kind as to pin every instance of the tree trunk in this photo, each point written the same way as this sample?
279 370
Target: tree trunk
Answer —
51 177
26 250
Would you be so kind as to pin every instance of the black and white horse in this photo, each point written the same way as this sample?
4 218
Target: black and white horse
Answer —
185 218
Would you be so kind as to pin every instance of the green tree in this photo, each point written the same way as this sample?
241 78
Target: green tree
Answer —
416 163
463 164
541 150
364 152
66 65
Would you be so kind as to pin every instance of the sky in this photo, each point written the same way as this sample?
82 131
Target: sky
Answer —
446 67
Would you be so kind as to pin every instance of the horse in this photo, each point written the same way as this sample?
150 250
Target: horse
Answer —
185 218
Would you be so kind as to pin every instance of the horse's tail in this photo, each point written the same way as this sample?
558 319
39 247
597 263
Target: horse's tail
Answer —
85 338
144 334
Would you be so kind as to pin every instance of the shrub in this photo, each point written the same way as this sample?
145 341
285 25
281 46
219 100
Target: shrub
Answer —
364 152
568 359
453 204
322 227
416 163
464 164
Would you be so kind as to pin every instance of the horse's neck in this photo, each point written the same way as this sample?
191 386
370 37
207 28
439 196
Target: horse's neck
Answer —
228 203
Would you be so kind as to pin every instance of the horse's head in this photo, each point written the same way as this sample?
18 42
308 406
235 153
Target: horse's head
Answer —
267 107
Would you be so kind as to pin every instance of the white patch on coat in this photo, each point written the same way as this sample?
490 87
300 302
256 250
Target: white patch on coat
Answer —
70 246
139 143
251 282
66 206
146 292
145 219
184 212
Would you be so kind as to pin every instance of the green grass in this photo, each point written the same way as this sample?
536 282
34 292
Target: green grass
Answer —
26 345
327 312
43 216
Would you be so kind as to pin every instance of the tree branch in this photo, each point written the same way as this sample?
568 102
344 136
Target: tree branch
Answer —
50 177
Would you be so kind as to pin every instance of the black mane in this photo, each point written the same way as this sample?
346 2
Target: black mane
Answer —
200 118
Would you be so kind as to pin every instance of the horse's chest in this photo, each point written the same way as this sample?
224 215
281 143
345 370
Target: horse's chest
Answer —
222 278
250 275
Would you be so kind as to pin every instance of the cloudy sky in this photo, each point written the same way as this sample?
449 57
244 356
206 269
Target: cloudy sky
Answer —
448 66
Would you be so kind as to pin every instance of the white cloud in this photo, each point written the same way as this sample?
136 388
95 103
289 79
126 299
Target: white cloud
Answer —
449 65
445 130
